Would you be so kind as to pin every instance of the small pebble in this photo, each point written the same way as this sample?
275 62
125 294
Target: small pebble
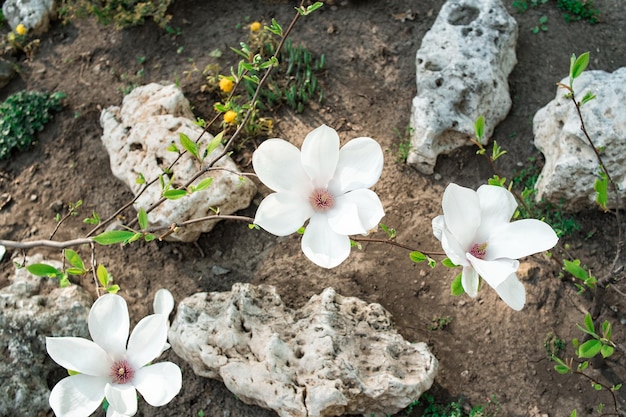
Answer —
33 197
437 176
218 270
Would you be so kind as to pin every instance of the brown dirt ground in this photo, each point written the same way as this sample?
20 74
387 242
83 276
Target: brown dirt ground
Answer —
487 350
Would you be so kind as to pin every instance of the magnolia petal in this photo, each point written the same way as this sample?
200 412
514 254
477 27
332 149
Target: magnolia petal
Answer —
147 340
438 224
494 272
158 383
461 209
360 165
78 354
278 165
320 154
453 250
497 206
355 212
322 245
282 214
109 324
163 302
77 395
512 292
520 238
470 281
122 398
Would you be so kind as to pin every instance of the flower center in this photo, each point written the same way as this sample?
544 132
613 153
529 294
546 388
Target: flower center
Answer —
479 250
121 372
321 199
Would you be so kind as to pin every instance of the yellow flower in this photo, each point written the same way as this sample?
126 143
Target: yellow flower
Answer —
255 26
230 116
20 29
226 85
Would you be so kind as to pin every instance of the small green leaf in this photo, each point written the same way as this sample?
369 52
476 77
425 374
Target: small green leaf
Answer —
417 256
174 194
601 187
301 230
448 263
113 236
573 413
606 351
189 145
142 217
597 387
616 387
574 268
149 237
589 349
589 323
583 365
479 127
103 276
431 262
578 65
64 281
134 237
215 142
456 288
74 259
562 369
113 289
43 270
75 271
70 372
587 98
204 184
173 148
607 329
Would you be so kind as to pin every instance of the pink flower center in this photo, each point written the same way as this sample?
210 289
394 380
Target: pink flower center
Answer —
121 372
321 199
479 250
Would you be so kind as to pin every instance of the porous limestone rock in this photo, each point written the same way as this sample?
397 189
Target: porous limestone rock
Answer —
336 355
29 311
463 66
137 136
571 166
35 15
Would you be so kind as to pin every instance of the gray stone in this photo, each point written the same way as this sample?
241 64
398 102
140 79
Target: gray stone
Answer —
35 15
137 136
571 166
463 66
30 311
7 72
336 355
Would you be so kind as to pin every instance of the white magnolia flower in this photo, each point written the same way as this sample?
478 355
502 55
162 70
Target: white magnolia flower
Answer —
322 183
475 232
109 367
163 304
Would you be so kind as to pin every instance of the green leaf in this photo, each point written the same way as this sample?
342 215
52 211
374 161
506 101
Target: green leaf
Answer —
149 237
456 288
113 236
172 147
103 276
189 145
113 289
583 365
587 98
448 263
573 413
135 237
142 217
43 270
574 268
616 387
562 369
431 262
589 323
589 349
578 65
74 259
174 194
601 187
203 185
606 351
75 271
215 142
607 329
479 127
597 387
417 256
64 281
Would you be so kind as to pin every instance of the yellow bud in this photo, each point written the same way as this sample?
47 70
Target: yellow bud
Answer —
20 29
226 85
230 117
255 26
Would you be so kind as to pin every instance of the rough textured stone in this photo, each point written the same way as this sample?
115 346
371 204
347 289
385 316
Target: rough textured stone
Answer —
35 15
569 173
336 355
463 66
137 136
30 311
7 72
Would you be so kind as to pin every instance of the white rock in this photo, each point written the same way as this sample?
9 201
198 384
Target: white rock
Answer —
336 355
136 137
463 66
35 15
30 311
569 173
